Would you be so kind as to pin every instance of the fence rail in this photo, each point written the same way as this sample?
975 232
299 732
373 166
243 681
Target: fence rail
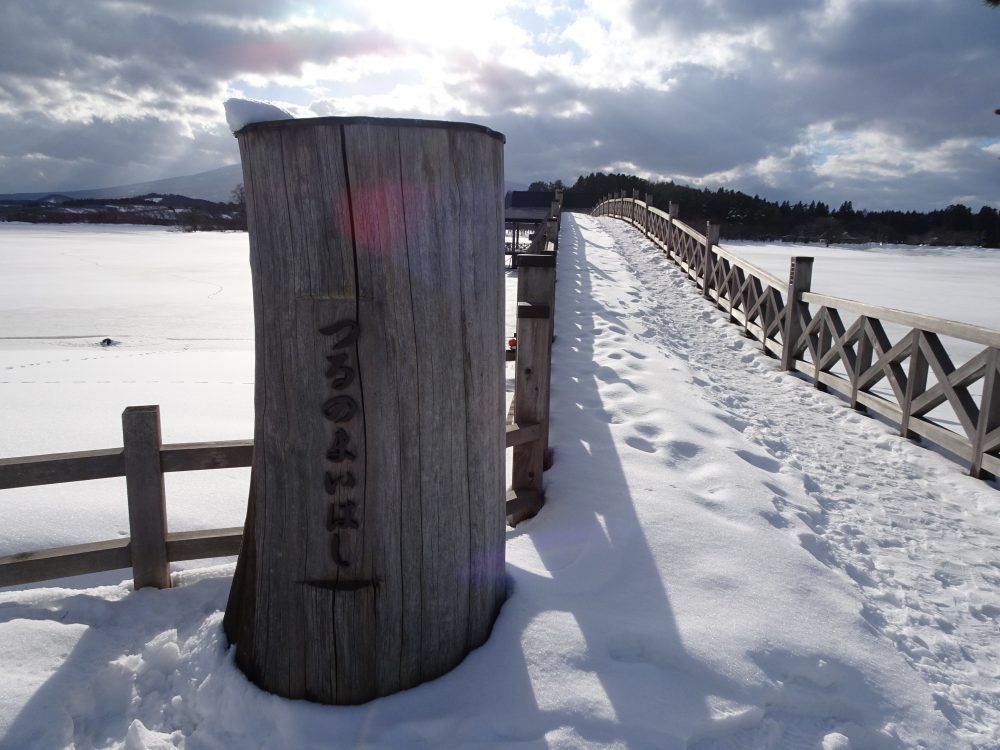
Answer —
143 459
808 333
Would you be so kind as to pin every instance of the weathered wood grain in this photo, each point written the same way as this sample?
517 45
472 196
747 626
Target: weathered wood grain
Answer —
147 509
519 434
55 468
220 454
63 562
535 294
365 586
204 543
799 281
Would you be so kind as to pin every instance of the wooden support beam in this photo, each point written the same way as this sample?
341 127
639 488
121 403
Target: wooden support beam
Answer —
147 510
989 413
63 562
916 384
799 281
55 468
522 505
673 210
519 434
708 258
220 454
204 543
535 295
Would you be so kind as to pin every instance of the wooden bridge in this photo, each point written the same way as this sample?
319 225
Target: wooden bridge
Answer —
806 330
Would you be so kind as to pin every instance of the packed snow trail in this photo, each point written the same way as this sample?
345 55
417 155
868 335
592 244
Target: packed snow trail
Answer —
919 538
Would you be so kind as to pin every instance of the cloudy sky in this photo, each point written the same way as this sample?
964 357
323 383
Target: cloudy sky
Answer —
887 103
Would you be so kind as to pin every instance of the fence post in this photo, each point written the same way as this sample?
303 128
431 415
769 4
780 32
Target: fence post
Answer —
711 238
646 218
799 281
989 413
147 509
916 383
672 210
535 302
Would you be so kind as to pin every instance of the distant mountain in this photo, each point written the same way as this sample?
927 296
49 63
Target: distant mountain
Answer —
214 185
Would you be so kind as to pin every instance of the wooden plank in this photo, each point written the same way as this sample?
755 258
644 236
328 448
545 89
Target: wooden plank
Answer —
147 509
989 413
768 278
958 396
519 434
966 331
536 289
916 384
63 562
221 454
708 257
56 468
522 505
799 281
204 543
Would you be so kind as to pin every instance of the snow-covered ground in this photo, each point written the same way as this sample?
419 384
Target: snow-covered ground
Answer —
727 559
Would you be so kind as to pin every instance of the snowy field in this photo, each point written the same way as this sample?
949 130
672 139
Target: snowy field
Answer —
727 559
955 283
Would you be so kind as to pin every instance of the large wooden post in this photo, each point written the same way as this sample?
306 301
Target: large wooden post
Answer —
373 557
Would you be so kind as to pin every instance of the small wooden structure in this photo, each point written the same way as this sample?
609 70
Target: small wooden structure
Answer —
526 212
373 556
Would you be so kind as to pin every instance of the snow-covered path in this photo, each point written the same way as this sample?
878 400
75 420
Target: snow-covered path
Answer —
919 538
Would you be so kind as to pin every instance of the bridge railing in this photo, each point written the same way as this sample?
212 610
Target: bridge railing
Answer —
898 364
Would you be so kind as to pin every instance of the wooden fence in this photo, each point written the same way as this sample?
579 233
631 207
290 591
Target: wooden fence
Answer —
143 459
903 373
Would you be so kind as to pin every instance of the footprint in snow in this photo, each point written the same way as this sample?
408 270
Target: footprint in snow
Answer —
761 462
680 449
648 430
640 444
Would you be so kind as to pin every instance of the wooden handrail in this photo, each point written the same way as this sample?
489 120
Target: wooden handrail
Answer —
777 313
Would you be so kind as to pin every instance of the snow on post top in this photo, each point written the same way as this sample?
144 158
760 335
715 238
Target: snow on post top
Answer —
243 112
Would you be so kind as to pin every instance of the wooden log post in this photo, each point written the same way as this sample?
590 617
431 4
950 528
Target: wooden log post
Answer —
147 508
373 554
647 216
532 378
708 258
799 282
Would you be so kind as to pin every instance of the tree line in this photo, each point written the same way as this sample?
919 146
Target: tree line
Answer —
749 217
